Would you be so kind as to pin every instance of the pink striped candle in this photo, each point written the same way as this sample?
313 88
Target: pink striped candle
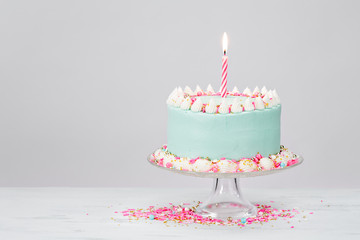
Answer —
223 88
224 76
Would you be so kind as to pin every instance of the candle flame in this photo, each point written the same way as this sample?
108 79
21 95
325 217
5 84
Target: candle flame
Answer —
225 42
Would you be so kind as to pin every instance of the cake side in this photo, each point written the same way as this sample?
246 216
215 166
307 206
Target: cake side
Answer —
232 136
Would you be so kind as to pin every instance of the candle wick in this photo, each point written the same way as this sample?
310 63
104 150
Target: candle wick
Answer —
224 52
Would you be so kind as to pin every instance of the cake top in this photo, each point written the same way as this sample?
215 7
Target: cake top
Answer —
211 102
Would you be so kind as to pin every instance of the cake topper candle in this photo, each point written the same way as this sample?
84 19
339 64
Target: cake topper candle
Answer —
224 68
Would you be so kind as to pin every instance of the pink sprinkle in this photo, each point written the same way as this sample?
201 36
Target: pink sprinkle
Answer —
215 168
311 213
169 165
187 215
292 162
115 212
192 161
161 162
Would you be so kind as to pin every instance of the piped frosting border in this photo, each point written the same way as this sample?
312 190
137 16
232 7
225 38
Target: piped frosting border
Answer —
284 158
255 100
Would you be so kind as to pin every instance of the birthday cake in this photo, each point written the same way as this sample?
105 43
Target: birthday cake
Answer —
236 133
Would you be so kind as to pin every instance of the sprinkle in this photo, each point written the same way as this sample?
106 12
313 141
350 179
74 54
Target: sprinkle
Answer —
187 215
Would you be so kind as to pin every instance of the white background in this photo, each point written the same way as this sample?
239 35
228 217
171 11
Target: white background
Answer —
83 85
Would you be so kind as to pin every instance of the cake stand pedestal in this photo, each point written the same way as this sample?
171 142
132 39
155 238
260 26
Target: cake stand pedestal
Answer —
225 200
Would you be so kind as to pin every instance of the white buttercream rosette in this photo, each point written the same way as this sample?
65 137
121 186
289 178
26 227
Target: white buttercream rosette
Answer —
288 155
266 163
183 164
166 159
202 165
226 166
247 165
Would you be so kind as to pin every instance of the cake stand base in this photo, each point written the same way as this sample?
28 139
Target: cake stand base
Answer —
226 201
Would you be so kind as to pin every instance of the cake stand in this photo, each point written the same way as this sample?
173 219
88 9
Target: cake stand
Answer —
226 199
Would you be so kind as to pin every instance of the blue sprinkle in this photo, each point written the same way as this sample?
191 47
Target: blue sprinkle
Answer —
243 220
282 164
151 217
173 212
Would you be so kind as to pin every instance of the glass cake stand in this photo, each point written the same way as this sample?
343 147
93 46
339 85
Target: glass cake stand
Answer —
226 200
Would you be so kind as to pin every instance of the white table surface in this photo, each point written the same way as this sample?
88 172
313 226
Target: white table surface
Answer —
88 213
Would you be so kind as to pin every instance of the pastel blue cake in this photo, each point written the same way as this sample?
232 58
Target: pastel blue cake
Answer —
203 124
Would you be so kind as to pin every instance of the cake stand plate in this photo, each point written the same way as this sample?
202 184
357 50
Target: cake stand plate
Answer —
228 175
225 200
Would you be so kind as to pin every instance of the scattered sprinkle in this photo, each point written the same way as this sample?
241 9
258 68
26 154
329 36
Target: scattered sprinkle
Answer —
187 215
